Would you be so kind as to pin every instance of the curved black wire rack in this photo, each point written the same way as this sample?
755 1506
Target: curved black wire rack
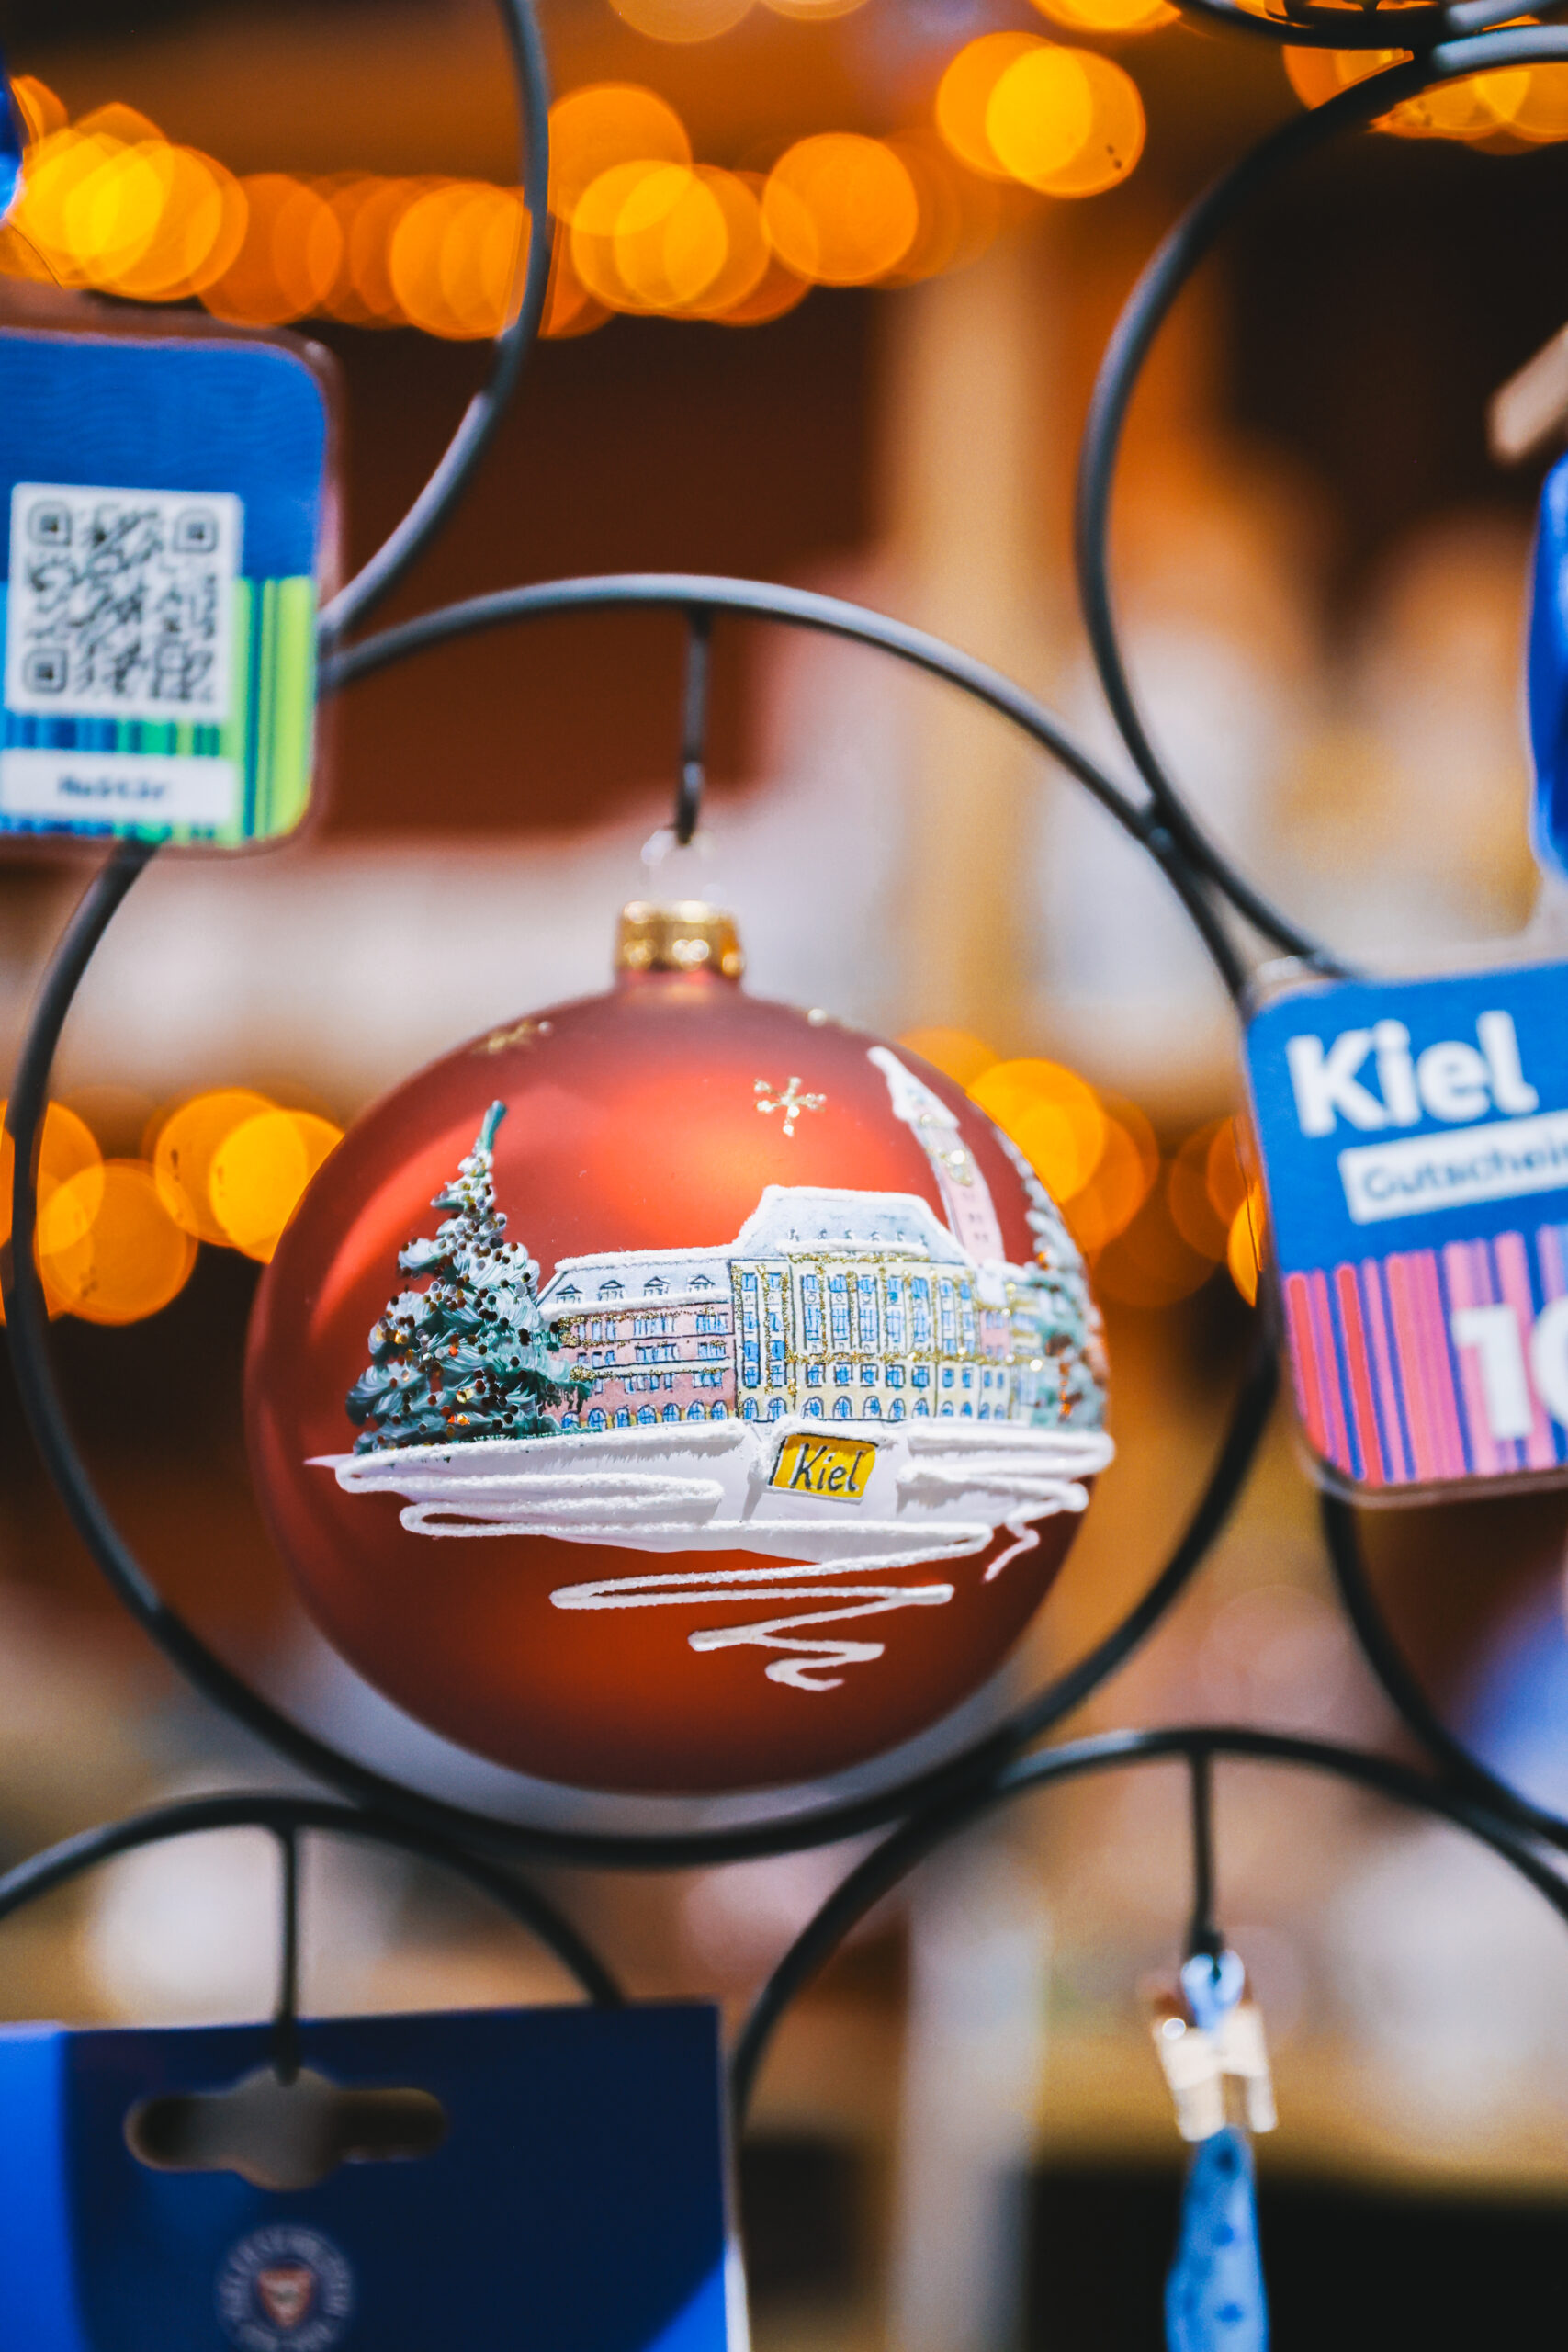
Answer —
1007 1762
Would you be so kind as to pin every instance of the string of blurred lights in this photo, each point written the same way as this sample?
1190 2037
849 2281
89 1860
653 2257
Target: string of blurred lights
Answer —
639 225
1154 1228
118 1237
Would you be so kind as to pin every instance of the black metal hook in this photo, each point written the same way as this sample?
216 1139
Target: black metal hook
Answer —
694 723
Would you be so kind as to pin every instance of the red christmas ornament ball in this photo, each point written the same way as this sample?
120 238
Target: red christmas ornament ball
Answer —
812 1439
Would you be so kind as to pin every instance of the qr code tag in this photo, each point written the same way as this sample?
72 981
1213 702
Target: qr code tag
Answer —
121 603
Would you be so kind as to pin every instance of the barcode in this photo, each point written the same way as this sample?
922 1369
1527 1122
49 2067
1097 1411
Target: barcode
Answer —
120 602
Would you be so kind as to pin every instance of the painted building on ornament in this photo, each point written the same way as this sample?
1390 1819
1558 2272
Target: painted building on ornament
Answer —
828 1304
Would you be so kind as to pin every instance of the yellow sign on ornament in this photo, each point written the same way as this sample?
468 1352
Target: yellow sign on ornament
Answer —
836 1467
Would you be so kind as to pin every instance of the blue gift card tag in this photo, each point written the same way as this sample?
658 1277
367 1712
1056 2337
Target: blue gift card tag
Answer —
1547 677
1415 1145
10 142
161 525
561 2185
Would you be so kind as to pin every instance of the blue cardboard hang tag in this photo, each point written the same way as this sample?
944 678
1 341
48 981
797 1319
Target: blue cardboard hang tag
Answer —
162 532
1547 675
562 2186
10 142
1414 1138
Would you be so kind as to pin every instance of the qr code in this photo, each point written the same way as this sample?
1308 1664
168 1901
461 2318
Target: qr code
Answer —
121 603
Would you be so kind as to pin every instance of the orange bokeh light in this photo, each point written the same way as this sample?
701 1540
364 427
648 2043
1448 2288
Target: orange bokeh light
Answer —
41 110
960 212
1040 113
1054 1117
637 216
484 260
1474 107
67 1157
259 1175
1123 1176
75 200
1542 113
841 208
1064 121
433 264
660 237
1226 1171
1201 1210
183 1144
347 195
607 123
1116 134
812 12
369 224
288 260
682 22
1151 1262
1243 1253
197 236
68 1150
777 291
1477 106
671 239
125 1257
747 251
1316 74
965 91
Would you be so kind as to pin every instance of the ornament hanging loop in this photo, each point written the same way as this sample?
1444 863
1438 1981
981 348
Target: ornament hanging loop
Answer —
694 723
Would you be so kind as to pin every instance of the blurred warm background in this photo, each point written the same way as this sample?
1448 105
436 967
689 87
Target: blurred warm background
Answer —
828 285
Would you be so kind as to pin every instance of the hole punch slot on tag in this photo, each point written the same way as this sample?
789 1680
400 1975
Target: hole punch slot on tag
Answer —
284 2135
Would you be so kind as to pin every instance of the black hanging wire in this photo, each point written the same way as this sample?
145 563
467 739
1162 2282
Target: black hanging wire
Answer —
694 723
800 608
1204 1936
285 2017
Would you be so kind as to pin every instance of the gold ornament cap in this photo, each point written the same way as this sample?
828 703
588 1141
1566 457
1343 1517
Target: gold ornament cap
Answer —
681 935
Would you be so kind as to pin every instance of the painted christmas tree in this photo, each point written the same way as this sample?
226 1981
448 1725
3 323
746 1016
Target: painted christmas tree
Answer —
470 1355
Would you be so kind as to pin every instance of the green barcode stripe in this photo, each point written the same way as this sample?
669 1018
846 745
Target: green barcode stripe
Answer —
269 736
294 702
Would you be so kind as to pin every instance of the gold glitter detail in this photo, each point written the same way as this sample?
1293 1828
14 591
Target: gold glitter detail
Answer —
792 1102
521 1033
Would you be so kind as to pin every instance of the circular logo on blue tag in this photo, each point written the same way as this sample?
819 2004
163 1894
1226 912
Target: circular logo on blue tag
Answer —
285 2289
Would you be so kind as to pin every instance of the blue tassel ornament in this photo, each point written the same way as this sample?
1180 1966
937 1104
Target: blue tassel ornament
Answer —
1214 2299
